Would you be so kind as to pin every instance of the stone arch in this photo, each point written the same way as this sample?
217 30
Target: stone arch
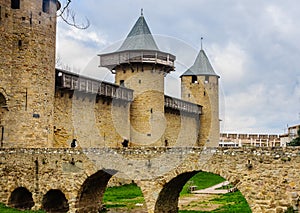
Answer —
91 193
21 198
55 201
167 200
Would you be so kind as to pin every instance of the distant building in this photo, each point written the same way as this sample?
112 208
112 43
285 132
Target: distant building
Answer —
290 135
247 140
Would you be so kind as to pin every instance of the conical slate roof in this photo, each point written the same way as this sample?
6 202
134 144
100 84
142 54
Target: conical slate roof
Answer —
201 66
139 38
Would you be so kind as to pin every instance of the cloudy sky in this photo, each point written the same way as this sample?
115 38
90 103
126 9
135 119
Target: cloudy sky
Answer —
253 45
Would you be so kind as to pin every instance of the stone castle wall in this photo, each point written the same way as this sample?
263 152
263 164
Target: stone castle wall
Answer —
100 122
182 130
93 123
204 92
27 59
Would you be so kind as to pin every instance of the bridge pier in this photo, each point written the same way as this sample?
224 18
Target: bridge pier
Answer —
150 190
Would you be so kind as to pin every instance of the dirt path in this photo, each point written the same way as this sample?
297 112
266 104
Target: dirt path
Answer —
198 202
214 189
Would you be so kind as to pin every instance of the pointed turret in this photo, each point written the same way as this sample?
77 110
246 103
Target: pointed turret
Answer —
139 65
199 84
139 38
201 66
138 47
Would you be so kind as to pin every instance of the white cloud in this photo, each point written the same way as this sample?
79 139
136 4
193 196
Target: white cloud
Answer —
76 48
230 62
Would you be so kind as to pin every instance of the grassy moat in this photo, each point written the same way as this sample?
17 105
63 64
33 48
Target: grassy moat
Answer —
129 198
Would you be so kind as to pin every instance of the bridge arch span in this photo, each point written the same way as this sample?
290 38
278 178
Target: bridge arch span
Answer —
21 198
90 195
168 197
55 201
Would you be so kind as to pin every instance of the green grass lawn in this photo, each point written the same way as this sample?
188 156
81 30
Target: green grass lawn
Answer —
5 209
230 203
126 196
202 180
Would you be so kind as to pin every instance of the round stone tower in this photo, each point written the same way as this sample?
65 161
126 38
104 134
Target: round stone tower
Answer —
199 84
141 66
27 71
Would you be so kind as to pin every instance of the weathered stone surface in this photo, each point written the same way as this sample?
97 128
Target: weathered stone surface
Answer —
72 170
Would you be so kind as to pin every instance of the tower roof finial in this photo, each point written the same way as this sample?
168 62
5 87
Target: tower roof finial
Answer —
142 11
201 43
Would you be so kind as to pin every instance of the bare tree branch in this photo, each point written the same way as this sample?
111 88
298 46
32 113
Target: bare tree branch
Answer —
69 16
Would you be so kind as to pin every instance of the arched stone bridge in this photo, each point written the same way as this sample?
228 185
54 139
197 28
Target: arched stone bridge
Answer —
75 180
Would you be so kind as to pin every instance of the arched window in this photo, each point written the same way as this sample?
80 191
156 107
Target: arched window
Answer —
21 198
15 4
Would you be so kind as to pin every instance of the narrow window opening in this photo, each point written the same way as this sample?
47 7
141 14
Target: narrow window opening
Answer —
151 110
15 4
122 83
46 6
140 81
23 18
6 15
194 79
20 43
189 95
30 19
204 93
206 79
1 135
0 13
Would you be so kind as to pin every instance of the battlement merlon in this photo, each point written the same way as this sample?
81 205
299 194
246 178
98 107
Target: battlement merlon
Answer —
112 60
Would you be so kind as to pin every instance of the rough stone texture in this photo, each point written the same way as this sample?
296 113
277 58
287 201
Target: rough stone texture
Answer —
94 123
268 178
27 58
147 109
182 129
204 92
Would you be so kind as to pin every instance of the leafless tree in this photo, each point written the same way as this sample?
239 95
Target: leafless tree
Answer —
69 16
